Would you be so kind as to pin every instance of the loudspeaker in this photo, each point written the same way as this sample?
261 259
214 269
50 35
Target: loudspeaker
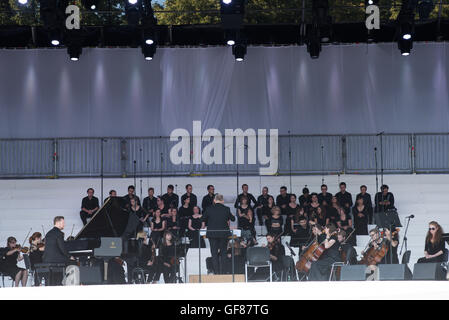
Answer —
429 271
353 273
90 275
388 272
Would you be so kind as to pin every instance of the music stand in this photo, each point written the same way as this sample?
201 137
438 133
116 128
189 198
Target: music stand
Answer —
387 219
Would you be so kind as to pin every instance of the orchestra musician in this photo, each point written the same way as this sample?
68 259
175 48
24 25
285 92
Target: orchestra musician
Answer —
8 264
167 260
147 256
277 251
320 269
37 248
435 245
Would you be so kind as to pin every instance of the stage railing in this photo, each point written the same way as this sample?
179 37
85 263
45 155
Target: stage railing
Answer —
297 154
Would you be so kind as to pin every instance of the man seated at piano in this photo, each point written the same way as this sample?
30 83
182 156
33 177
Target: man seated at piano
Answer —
131 195
89 206
55 251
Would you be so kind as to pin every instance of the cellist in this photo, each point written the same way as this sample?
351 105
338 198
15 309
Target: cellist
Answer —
320 269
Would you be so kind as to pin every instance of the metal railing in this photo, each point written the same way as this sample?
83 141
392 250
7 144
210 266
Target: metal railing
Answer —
150 156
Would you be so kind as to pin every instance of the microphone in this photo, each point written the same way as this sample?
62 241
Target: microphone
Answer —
410 216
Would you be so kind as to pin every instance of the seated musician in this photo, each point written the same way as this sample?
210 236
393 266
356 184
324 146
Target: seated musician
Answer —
240 246
375 243
147 256
158 226
55 250
8 265
276 221
320 269
195 224
167 259
435 245
301 232
346 250
37 248
391 238
277 252
89 206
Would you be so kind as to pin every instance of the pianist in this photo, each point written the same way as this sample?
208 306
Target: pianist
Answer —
55 250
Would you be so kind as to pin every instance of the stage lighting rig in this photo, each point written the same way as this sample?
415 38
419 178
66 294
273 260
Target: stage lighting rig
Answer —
232 14
148 51
239 51
90 4
405 26
52 14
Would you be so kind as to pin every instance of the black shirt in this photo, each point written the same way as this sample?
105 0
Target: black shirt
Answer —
332 215
89 204
272 220
250 198
193 200
366 199
380 197
327 197
333 250
149 204
262 200
304 200
432 249
243 222
291 211
185 212
343 199
197 222
208 200
281 200
127 201
170 200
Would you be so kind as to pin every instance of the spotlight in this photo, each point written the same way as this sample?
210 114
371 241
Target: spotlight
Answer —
230 42
405 46
74 51
230 37
132 1
55 37
148 51
23 1
90 4
239 51
227 1
314 48
406 31
55 42
149 36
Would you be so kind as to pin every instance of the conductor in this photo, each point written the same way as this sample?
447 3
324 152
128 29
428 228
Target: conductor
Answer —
217 219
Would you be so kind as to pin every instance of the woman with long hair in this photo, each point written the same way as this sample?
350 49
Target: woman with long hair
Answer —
320 269
167 260
434 246
37 248
9 264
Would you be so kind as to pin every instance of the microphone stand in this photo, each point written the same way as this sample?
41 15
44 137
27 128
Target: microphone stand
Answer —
381 158
375 163
102 168
322 164
404 239
162 160
290 159
135 163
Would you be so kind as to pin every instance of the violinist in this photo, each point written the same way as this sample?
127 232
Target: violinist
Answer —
391 238
277 251
240 246
347 251
147 256
167 260
434 246
37 248
8 265
320 269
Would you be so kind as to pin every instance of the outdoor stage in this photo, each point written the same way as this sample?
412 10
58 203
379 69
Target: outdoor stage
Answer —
347 290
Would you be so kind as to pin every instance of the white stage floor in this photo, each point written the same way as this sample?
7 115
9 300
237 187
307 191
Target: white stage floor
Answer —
358 290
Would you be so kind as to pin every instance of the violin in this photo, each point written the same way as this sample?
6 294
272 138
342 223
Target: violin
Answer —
22 249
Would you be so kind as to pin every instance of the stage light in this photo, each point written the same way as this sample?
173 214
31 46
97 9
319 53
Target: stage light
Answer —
239 51
132 1
314 48
230 37
148 51
406 31
23 1
230 42
227 1
55 37
74 51
55 42
405 46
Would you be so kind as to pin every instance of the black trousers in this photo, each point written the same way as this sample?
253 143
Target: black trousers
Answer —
259 212
84 216
321 269
436 259
168 272
218 248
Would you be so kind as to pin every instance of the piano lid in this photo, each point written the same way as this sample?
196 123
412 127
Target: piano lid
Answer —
109 221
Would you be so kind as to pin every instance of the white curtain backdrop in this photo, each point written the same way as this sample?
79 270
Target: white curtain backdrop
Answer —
115 92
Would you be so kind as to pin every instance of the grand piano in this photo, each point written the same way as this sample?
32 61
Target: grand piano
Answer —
109 221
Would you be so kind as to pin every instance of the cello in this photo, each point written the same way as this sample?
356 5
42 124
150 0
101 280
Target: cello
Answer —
310 254
375 255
